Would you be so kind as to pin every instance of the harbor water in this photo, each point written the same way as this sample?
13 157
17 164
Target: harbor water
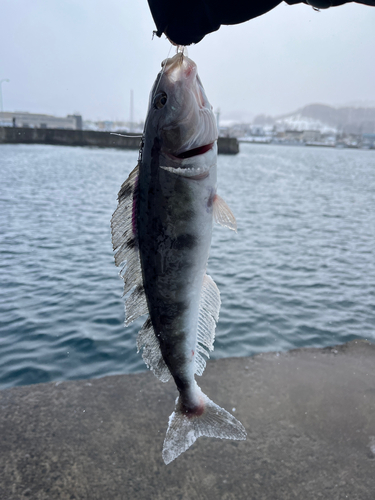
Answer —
300 272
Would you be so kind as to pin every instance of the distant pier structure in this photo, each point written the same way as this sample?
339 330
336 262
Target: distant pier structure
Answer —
228 146
22 119
66 137
77 137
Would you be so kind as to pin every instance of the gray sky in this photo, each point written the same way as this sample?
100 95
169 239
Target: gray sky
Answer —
86 55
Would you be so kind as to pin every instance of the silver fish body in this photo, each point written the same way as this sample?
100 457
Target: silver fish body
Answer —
162 230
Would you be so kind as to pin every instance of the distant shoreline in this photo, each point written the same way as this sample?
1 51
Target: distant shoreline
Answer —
242 140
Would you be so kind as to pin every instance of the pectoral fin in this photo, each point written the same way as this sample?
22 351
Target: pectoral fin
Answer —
223 215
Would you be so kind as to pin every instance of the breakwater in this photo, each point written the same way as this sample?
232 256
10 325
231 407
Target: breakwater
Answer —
65 137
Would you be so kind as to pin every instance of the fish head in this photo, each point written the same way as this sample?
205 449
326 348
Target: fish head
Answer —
180 114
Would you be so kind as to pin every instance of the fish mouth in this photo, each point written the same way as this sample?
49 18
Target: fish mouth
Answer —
194 164
196 151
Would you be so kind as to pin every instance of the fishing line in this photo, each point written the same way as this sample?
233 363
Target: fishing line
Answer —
161 74
123 135
163 69
180 48
153 92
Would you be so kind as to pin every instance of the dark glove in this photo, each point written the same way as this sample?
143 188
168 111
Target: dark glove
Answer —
188 21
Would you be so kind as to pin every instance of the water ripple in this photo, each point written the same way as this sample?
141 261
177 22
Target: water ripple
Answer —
299 272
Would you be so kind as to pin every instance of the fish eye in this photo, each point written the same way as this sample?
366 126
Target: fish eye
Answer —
160 100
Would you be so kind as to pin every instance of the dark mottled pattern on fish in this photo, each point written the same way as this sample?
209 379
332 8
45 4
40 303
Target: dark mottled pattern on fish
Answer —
171 194
131 243
185 241
124 192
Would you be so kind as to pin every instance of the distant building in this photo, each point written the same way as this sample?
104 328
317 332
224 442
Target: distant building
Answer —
311 136
368 141
79 121
290 136
31 120
294 135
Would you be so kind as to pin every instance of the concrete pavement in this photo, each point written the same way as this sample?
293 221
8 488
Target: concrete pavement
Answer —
309 414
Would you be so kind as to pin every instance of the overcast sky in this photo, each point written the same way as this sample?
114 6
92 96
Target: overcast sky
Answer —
85 56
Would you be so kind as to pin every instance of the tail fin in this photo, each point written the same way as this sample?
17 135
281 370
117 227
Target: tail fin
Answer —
184 430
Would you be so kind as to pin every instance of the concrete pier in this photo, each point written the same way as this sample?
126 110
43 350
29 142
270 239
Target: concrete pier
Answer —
228 146
309 415
66 137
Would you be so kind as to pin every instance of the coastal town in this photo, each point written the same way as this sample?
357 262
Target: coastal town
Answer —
313 125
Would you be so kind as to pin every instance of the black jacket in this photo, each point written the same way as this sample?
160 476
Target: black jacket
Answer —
188 21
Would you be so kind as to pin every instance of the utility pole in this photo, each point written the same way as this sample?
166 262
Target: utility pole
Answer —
1 94
218 119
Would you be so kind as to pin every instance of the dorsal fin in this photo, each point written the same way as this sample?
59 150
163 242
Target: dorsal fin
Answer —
209 306
125 245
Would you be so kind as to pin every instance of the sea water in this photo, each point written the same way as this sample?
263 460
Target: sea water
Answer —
300 272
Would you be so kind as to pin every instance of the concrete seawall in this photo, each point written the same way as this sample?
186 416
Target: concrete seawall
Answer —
309 415
65 137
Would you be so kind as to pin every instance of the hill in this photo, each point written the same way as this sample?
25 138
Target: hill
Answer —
350 120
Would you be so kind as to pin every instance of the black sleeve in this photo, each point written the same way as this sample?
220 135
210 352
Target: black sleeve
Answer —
188 21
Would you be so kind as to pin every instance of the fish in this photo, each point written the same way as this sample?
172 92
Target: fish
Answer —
161 236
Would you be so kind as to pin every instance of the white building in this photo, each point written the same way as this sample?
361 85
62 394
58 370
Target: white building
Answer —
31 120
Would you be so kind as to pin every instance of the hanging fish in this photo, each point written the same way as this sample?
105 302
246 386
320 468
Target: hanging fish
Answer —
162 230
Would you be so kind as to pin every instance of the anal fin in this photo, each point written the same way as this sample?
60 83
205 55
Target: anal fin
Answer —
151 351
209 307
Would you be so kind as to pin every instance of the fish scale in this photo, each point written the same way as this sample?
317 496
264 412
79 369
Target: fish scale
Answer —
161 231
